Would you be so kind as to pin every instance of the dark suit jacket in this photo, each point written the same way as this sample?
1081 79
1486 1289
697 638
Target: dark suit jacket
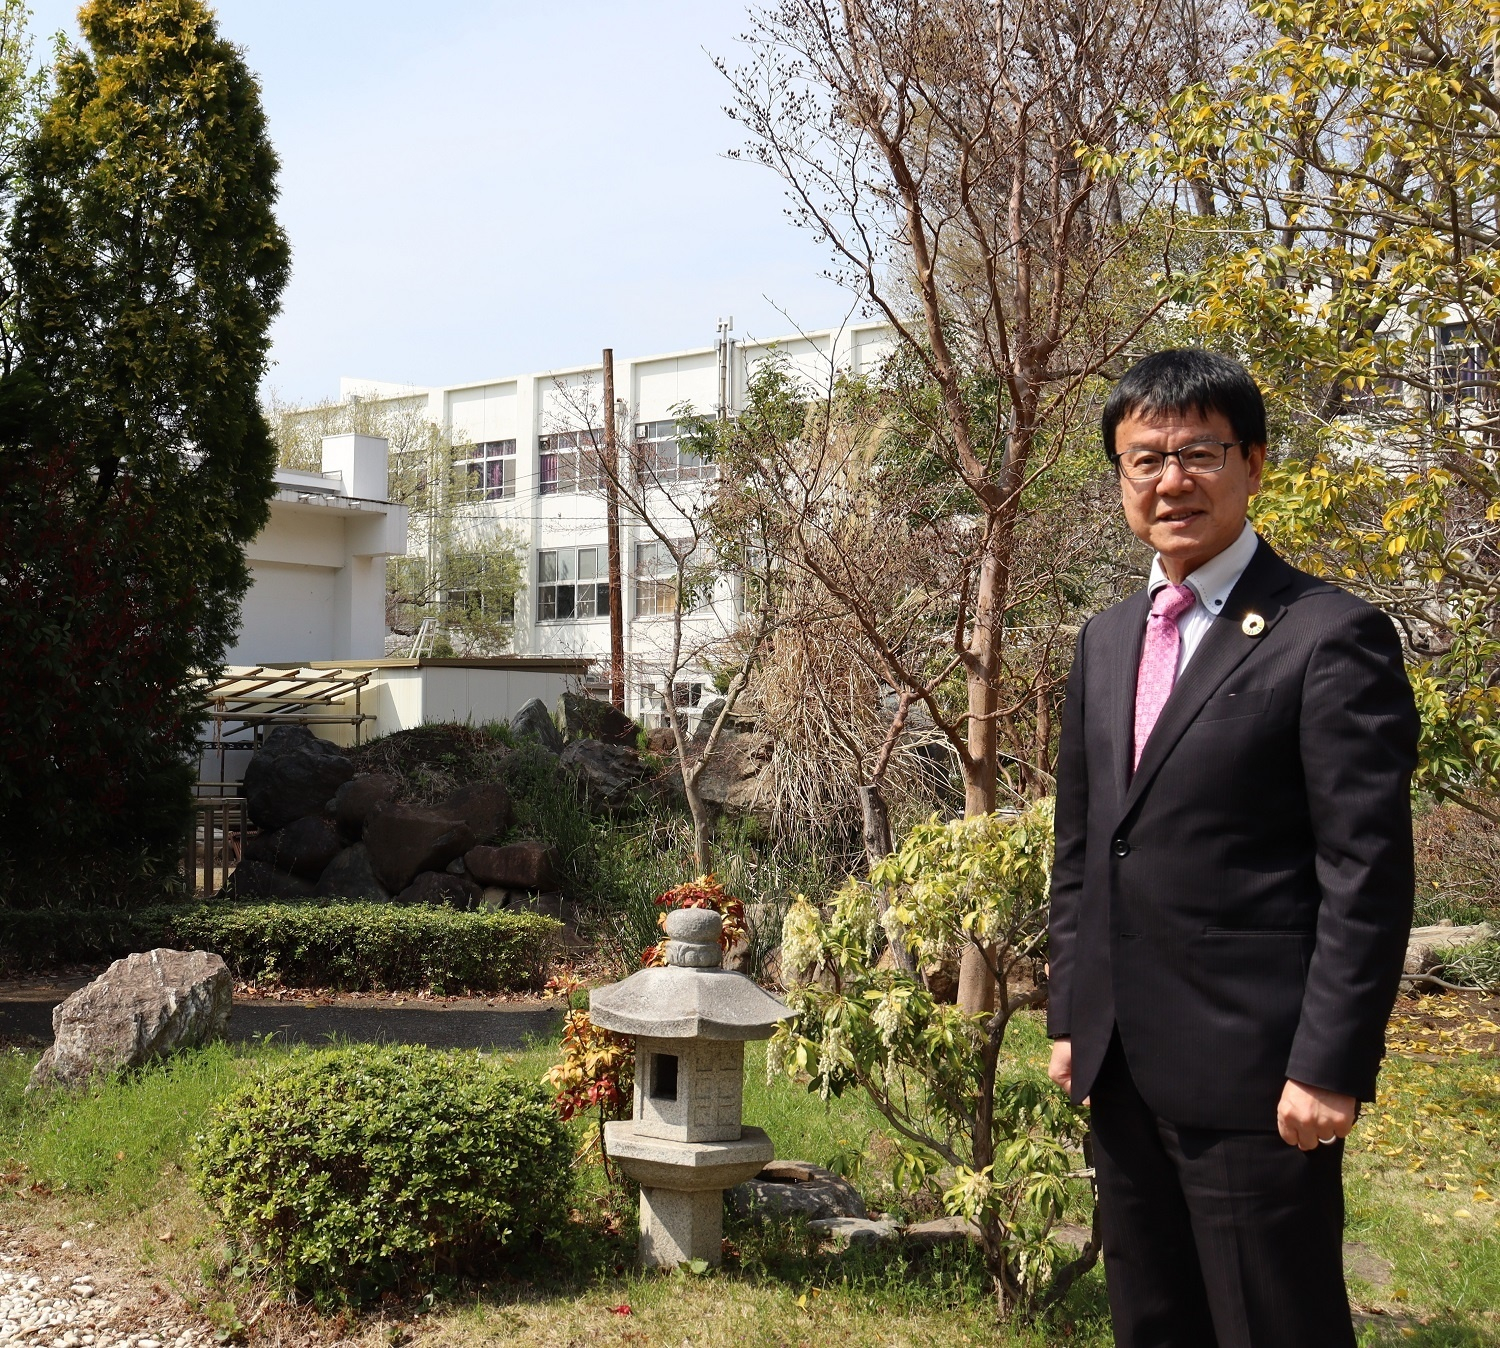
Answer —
1239 906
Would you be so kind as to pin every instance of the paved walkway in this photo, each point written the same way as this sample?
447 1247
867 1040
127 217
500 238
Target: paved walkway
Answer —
26 1016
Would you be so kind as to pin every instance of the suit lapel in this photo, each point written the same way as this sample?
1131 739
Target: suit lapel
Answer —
1219 653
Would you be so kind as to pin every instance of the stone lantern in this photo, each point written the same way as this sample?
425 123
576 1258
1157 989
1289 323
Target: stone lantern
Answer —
684 1142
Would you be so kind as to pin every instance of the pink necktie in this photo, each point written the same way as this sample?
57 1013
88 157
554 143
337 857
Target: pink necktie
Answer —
1158 670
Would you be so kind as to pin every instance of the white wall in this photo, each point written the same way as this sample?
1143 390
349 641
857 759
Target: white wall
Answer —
317 568
287 615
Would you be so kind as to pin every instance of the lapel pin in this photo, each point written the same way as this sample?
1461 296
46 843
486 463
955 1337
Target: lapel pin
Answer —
1253 625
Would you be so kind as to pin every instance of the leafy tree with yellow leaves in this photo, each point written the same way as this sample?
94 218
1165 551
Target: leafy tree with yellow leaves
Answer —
1352 164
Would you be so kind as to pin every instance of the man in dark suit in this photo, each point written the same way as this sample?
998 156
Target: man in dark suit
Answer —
1232 888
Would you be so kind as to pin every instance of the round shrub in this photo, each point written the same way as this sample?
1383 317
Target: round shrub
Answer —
355 1170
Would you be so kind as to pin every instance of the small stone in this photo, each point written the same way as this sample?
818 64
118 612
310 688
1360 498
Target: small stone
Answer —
484 806
941 1231
440 888
1365 1264
403 840
303 848
855 1230
353 801
520 865
589 718
293 774
607 774
798 1188
350 875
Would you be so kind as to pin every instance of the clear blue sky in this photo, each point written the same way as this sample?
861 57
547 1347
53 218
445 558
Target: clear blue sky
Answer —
474 189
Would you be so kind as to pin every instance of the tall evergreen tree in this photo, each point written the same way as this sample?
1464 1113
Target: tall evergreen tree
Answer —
149 266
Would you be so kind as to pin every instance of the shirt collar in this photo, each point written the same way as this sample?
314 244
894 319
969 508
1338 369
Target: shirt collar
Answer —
1213 581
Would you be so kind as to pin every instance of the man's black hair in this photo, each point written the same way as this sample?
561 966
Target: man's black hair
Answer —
1190 379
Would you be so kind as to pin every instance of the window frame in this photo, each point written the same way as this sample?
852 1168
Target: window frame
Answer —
568 462
476 467
561 597
655 591
653 462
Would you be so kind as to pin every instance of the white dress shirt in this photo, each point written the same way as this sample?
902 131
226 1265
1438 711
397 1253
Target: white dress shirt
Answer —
1210 584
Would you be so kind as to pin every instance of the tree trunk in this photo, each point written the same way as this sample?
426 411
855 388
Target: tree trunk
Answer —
977 989
876 820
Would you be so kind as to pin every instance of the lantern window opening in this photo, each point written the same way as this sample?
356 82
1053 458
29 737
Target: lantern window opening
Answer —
663 1076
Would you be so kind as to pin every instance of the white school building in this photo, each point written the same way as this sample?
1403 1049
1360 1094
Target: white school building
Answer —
526 473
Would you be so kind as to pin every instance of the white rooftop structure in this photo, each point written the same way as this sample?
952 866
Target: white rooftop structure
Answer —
317 569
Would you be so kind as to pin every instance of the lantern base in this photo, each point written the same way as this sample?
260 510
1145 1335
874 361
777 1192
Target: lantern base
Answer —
683 1183
679 1226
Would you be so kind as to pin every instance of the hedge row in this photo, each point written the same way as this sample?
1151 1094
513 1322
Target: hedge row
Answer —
352 946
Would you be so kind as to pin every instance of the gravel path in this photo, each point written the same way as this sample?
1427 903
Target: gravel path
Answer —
72 1309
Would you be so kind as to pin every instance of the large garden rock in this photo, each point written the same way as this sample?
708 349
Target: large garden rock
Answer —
798 1188
141 1007
606 773
589 718
706 718
437 888
535 722
293 774
350 875
352 802
736 780
303 848
405 839
261 880
483 806
521 865
1426 946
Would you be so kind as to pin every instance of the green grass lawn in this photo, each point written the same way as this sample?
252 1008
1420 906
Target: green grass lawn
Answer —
1422 1173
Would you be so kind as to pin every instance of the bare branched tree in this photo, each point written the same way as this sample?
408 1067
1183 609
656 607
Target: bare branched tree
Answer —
938 149
706 586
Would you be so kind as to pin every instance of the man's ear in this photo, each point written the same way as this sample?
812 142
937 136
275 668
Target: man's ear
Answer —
1255 460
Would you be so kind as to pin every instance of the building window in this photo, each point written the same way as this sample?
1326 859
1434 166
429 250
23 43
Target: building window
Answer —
659 457
1459 363
655 579
572 583
570 462
489 471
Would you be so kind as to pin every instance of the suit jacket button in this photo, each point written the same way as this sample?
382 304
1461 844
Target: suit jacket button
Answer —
1120 847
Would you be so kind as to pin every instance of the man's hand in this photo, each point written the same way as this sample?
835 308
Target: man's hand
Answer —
1308 1115
1060 1069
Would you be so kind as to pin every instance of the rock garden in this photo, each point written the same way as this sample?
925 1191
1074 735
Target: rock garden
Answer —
162 1186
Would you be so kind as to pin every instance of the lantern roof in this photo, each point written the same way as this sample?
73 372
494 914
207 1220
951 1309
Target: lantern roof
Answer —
692 998
683 1003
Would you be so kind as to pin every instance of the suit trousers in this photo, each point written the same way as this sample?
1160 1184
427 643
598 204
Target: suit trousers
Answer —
1213 1238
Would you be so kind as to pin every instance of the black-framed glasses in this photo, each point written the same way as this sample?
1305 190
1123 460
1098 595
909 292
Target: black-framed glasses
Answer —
1198 458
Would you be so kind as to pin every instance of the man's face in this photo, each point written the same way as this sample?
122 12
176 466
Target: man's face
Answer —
1187 518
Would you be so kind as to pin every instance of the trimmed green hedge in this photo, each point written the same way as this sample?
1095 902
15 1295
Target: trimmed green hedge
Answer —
352 946
353 1171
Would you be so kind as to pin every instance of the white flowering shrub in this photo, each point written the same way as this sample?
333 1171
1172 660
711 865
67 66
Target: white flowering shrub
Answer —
1001 1136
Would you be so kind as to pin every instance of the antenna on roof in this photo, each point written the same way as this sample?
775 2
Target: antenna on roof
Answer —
724 345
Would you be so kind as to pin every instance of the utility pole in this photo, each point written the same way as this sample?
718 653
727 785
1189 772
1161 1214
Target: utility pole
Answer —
612 496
